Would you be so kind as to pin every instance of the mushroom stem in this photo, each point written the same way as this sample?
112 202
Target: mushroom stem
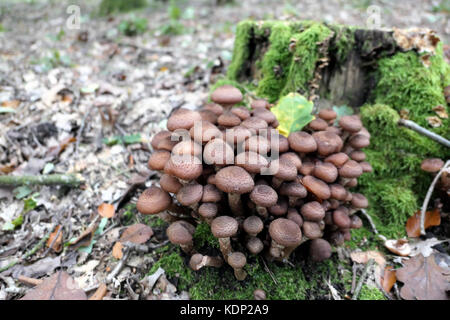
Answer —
234 200
262 211
225 247
199 261
240 274
187 248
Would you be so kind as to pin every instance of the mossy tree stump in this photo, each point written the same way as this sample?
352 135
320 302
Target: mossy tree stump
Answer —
369 70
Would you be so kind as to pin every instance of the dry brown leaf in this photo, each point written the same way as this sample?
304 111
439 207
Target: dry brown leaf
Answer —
434 121
56 150
364 256
117 250
432 218
60 286
85 238
11 104
441 112
56 237
388 279
106 210
101 291
400 247
137 233
423 279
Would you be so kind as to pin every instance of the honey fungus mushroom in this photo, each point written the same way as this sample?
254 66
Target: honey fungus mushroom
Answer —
286 236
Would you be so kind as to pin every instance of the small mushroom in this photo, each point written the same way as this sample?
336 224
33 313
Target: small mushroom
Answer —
286 236
312 211
319 250
153 200
223 228
199 261
259 294
183 119
190 195
208 211
226 96
432 165
263 196
253 225
180 233
237 261
302 142
254 245
158 159
169 183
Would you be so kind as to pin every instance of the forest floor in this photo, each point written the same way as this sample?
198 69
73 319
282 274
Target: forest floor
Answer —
88 101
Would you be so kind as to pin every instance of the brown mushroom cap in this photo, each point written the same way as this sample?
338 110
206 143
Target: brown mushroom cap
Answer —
359 141
318 124
169 183
254 123
260 103
224 227
153 200
350 123
264 114
319 188
432 165
257 144
293 189
366 167
338 192
307 167
208 115
356 222
234 179
254 245
325 171
214 107
351 169
359 201
337 159
211 193
285 232
226 95
287 171
208 210
264 196
183 119
158 159
160 136
187 147
294 158
280 208
312 211
180 233
228 120
341 218
190 194
293 215
312 230
253 225
327 142
204 131
251 161
237 260
218 152
327 114
167 143
236 135
242 112
319 250
357 155
184 167
301 141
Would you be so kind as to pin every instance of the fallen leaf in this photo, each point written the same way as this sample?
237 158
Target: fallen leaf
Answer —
423 279
59 286
441 112
57 150
11 104
388 279
425 247
101 291
400 247
106 210
56 240
364 256
38 269
137 233
117 250
434 121
432 218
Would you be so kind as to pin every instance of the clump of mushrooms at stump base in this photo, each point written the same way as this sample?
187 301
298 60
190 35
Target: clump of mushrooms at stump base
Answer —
216 168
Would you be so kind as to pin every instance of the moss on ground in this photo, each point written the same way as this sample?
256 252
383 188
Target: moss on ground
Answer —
368 293
173 264
113 6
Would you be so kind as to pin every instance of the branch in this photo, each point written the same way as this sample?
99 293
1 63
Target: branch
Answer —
428 196
49 179
362 279
414 126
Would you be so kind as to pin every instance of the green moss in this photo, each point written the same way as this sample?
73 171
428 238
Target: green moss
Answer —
112 6
343 43
241 48
368 293
175 269
203 236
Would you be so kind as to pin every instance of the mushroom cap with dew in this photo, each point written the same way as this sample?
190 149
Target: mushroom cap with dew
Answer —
190 194
316 186
234 179
312 211
319 250
237 260
185 167
218 152
350 123
264 196
226 95
253 225
153 200
170 183
251 161
158 159
301 141
351 169
224 227
183 119
285 232
180 233
432 165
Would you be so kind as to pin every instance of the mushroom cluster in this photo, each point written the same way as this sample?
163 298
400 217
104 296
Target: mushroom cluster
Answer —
260 192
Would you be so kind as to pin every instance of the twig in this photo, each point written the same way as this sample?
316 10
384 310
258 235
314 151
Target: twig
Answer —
118 267
29 281
99 293
414 126
428 196
45 179
362 279
268 271
80 131
372 225
27 254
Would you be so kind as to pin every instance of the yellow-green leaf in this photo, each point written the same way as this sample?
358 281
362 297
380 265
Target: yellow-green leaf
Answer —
293 112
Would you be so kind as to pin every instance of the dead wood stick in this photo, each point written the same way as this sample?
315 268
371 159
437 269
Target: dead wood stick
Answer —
29 281
368 217
414 126
100 292
45 179
428 196
362 279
